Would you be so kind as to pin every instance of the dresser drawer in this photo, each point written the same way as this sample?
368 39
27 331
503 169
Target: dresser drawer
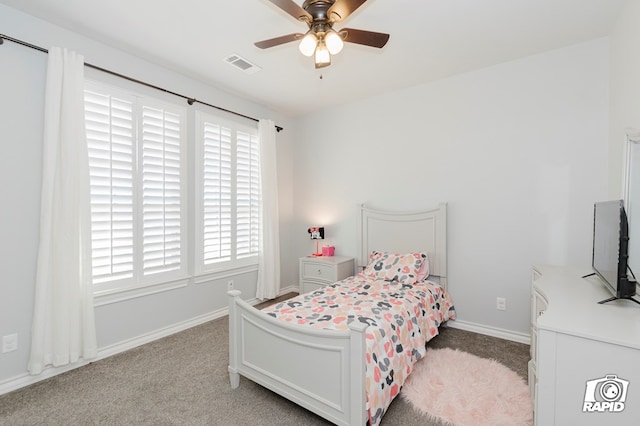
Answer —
318 271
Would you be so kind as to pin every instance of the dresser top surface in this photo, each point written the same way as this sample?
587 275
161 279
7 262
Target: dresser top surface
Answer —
573 307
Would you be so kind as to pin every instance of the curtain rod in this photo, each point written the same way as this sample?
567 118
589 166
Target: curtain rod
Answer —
190 100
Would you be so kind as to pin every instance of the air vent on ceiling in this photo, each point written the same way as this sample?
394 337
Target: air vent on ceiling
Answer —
242 64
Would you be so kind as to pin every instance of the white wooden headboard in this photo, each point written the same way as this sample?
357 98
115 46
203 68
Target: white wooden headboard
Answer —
406 232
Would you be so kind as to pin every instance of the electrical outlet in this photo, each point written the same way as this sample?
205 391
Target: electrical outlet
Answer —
9 343
230 285
501 304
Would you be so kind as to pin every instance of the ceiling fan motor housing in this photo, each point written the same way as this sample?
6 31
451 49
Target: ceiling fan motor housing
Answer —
318 9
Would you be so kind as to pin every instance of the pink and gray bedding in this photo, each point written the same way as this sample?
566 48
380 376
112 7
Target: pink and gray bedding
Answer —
402 317
396 266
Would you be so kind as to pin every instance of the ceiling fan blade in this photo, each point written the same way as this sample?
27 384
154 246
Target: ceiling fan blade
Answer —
293 9
367 38
341 9
265 44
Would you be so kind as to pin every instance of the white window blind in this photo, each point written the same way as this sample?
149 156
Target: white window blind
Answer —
137 188
228 185
110 139
161 190
247 194
216 198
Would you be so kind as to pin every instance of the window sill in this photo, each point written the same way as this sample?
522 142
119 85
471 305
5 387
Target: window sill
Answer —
116 295
107 297
204 277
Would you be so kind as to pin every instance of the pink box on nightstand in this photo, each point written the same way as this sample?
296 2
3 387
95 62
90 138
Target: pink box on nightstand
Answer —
328 250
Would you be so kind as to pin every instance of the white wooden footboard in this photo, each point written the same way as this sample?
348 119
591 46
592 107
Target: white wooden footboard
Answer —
320 370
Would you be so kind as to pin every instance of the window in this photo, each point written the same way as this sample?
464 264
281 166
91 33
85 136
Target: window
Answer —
228 194
136 164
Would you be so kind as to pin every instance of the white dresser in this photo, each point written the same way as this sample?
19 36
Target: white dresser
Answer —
318 271
575 340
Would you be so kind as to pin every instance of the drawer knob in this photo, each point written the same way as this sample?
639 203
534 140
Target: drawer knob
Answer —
319 272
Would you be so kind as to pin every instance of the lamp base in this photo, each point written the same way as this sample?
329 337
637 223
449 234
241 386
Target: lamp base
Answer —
318 252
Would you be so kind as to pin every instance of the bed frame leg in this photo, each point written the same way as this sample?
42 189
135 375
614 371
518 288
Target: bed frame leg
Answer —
358 395
234 378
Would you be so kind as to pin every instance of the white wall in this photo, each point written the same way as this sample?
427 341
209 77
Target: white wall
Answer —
625 89
21 119
518 150
625 110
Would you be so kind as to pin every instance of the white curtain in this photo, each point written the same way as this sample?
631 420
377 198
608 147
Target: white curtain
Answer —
269 269
63 329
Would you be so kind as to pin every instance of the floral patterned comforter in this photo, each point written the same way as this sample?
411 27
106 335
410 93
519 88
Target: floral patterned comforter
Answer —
401 319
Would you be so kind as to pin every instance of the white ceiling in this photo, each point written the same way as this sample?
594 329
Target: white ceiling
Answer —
430 39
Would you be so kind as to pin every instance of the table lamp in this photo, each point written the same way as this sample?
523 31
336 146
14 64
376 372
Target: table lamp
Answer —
317 233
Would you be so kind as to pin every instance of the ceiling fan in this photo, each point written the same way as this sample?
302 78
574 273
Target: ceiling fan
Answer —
321 40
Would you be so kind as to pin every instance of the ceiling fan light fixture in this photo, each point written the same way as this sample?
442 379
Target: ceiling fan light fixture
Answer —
322 57
334 42
308 44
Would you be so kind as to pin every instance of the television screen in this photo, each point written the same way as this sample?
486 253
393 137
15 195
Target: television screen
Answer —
611 250
607 233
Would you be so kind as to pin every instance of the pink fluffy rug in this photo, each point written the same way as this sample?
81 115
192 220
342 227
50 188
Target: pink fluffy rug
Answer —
464 390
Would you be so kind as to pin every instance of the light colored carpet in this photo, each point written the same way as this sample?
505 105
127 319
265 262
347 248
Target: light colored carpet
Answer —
464 390
182 380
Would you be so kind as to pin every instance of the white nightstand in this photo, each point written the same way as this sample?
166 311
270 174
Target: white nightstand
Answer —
316 272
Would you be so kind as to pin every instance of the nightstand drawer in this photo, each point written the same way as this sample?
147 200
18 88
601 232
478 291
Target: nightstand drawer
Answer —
319 271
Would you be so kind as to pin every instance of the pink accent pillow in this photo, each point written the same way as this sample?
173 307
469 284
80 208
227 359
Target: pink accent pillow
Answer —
395 266
423 273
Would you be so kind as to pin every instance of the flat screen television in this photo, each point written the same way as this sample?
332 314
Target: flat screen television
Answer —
611 250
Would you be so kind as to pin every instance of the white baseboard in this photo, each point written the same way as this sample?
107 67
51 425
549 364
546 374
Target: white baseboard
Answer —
159 334
26 379
15 383
290 289
490 331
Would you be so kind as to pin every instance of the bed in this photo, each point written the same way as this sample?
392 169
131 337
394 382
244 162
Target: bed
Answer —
325 370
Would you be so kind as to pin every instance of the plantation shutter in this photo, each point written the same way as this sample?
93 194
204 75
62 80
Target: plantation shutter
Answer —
110 139
247 194
217 193
161 203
